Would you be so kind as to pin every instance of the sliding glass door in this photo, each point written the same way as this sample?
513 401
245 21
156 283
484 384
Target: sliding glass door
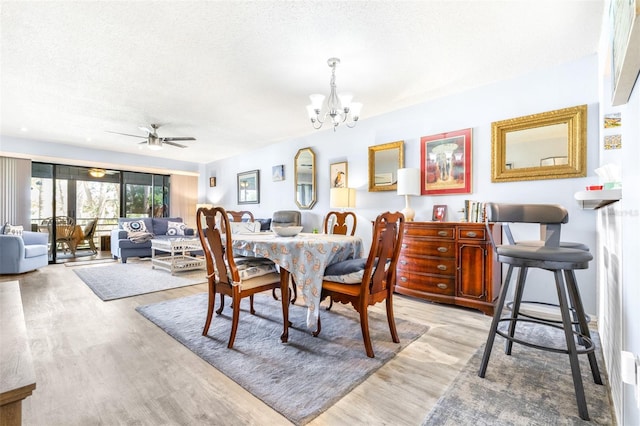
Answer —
82 195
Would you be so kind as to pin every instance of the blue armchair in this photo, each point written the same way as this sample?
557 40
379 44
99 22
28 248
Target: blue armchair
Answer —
23 253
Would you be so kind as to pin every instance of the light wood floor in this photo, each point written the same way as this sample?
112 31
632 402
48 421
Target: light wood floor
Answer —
102 363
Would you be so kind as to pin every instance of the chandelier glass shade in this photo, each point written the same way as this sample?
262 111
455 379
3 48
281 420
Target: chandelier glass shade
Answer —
337 108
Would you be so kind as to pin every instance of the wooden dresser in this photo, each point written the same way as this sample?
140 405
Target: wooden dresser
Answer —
450 262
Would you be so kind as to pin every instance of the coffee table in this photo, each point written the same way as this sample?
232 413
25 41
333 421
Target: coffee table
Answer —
174 255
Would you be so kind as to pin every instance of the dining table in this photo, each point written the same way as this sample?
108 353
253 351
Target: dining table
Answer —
304 257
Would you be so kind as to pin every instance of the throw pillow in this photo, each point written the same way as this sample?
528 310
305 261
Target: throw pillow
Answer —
244 227
176 228
12 229
134 226
348 272
254 267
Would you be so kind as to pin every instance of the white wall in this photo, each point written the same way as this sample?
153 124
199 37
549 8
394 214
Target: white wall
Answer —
618 233
568 85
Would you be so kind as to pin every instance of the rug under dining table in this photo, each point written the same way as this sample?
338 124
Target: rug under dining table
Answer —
300 379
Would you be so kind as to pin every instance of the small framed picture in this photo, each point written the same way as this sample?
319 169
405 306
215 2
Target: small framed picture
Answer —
277 173
439 213
249 187
212 182
338 175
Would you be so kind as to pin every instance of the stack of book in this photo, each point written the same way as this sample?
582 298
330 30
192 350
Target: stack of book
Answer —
474 211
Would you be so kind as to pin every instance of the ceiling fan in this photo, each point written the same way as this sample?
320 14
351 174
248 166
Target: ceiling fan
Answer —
155 142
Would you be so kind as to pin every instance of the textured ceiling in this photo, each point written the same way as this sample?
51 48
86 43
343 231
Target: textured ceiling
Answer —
237 75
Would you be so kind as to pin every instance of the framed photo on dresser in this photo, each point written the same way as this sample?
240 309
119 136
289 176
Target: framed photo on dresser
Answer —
439 213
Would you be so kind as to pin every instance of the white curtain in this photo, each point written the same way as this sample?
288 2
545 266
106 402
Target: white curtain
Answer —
15 187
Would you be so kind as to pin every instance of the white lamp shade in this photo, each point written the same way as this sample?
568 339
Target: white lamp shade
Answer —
342 198
408 181
356 107
316 100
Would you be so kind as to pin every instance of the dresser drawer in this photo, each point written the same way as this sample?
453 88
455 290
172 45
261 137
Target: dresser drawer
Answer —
425 247
447 232
442 266
426 283
472 233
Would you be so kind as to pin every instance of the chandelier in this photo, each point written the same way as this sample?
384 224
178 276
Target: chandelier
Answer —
338 108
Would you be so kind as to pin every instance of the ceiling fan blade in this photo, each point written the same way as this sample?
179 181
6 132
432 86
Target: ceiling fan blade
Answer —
174 144
186 138
125 134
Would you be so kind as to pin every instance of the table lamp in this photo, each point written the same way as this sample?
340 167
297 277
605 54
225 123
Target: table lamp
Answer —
342 198
408 184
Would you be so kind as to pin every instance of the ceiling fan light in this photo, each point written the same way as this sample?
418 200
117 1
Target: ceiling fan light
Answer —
155 147
97 173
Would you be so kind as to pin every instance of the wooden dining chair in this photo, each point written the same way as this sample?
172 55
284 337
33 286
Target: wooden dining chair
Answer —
238 216
343 223
365 282
226 276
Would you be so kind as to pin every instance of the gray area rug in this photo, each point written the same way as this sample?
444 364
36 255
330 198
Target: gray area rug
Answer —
300 379
530 387
119 280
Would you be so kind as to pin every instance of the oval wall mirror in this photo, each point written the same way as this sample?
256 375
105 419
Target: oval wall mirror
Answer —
549 145
384 162
305 178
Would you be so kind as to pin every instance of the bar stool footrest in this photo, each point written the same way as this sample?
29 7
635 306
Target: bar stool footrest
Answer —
509 306
589 346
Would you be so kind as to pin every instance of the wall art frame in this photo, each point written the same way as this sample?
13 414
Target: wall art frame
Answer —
338 175
277 173
445 163
249 187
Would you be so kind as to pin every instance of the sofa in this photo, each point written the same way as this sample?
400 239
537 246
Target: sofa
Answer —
142 230
23 253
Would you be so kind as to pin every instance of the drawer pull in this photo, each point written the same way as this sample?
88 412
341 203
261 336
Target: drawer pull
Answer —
403 279
404 246
442 267
442 233
443 249
442 286
471 234
403 262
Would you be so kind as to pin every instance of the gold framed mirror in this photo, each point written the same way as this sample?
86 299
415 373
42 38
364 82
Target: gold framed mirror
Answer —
305 178
549 145
384 162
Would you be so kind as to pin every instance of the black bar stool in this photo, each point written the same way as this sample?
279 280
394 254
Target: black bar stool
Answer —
562 261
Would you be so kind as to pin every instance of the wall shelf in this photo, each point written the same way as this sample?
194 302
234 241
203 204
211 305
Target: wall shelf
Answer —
592 200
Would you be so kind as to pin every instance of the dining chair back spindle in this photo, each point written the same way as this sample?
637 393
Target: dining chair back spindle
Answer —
343 223
240 215
227 276
377 278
